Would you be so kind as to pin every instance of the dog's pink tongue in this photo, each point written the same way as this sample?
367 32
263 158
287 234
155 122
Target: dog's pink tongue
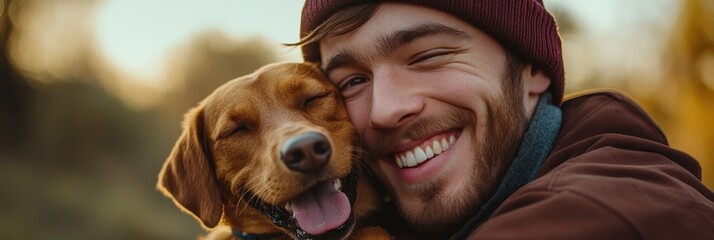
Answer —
321 209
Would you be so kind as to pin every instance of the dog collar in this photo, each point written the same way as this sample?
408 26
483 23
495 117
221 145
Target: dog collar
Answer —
250 236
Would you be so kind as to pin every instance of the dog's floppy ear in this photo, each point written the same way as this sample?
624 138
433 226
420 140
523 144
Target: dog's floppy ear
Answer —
188 176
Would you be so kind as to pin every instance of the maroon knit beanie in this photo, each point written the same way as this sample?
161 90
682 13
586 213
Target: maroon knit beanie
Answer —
522 26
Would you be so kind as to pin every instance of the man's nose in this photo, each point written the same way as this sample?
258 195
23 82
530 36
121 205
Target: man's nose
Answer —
394 100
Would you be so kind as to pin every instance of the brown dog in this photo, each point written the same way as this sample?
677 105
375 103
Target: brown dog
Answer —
272 155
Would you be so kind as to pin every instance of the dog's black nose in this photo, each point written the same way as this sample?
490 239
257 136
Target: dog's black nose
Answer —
307 152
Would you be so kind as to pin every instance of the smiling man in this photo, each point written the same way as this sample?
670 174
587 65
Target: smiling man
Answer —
459 104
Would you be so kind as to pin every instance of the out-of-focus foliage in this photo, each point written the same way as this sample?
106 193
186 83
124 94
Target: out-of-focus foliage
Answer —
78 160
205 63
677 91
685 103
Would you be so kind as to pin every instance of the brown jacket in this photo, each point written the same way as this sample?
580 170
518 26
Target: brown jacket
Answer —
610 175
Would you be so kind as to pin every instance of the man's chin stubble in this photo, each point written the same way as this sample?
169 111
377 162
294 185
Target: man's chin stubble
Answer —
434 210
437 211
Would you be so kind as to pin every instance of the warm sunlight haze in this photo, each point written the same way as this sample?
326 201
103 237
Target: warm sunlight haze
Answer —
138 35
96 91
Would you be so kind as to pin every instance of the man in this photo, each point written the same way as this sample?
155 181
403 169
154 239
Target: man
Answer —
460 105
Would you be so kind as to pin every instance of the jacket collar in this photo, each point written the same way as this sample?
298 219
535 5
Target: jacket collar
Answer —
536 145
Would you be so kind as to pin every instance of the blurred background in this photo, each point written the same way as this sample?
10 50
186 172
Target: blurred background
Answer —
92 94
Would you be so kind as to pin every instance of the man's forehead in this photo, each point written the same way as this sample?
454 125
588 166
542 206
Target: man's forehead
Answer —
340 50
390 19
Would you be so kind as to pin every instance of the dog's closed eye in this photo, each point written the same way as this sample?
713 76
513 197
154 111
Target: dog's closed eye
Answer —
310 100
233 128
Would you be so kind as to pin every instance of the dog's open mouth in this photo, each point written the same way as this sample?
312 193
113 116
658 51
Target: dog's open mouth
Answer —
322 208
322 212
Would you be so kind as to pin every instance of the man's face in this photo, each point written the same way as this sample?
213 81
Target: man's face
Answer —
426 93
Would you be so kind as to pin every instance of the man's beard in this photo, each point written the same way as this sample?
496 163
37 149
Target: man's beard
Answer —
437 211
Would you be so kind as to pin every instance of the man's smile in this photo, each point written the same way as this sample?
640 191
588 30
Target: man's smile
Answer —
425 151
419 161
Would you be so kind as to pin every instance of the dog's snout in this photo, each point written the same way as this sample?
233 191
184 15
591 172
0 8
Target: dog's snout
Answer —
307 152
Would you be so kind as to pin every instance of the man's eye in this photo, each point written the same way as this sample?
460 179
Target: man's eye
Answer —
431 55
353 81
427 57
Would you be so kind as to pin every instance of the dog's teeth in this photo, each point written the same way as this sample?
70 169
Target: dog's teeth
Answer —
337 184
289 207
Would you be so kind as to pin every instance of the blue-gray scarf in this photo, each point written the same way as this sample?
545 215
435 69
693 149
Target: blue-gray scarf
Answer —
537 142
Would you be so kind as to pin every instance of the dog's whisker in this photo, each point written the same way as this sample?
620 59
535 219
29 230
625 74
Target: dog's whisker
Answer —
358 155
360 150
245 205
242 191
255 193
365 167
262 191
239 212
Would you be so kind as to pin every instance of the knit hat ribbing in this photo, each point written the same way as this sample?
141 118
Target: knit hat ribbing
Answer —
522 26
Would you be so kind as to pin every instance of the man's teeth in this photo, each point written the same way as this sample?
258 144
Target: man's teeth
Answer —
422 153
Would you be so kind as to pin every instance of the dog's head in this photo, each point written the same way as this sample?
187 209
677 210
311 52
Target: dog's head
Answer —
272 147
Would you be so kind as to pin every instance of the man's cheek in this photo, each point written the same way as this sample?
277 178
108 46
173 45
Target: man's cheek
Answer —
359 115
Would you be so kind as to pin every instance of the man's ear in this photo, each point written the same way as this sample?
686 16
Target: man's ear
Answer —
536 82
188 176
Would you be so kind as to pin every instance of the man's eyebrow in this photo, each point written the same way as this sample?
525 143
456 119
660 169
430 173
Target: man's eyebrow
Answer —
391 42
340 59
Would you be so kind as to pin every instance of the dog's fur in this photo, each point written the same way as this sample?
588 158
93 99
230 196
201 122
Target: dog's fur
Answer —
230 147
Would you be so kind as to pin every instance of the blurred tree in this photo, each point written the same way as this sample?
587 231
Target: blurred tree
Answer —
692 46
14 90
88 171
210 59
567 26
687 95
679 90
84 165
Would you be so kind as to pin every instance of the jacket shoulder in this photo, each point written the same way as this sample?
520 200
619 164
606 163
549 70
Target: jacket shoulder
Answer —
610 175
597 112
605 120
